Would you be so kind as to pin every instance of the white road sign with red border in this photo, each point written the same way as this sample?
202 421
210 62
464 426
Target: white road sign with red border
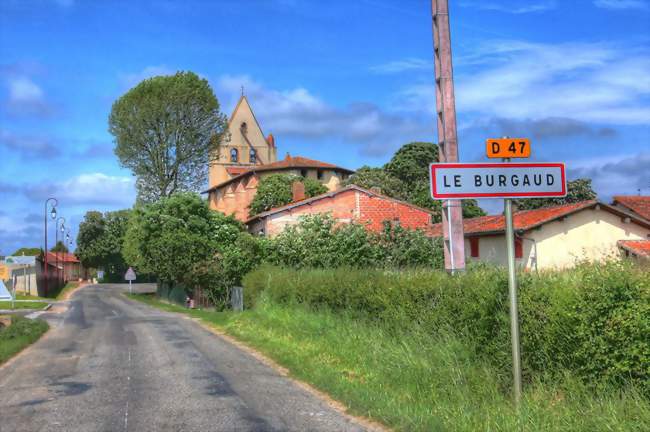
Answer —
497 180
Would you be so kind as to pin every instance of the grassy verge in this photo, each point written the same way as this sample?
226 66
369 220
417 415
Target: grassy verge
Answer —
66 289
19 335
30 297
413 381
22 305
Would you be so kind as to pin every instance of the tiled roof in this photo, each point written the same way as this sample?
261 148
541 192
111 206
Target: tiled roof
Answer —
237 170
637 247
289 162
638 204
62 257
330 195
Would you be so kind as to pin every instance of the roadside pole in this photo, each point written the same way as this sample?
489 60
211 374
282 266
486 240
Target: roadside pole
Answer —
130 287
514 308
512 295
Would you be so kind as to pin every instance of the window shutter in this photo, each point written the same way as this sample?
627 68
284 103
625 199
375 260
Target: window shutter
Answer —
519 248
473 246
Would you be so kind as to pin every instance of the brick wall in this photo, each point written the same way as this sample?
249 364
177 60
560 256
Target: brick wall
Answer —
347 206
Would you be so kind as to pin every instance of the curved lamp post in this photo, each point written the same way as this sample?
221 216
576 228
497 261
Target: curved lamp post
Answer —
53 216
56 253
65 256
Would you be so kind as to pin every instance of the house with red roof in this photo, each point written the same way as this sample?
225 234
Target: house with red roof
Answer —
245 157
639 205
557 237
345 205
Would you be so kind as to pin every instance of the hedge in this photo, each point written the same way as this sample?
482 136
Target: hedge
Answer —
592 321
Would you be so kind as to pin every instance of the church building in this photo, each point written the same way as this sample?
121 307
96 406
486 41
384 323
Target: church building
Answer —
245 156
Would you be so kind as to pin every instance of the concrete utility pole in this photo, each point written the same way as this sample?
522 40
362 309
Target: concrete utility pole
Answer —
452 214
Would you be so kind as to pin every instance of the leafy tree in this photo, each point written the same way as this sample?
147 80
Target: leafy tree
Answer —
59 247
100 240
369 177
177 236
275 191
577 190
411 162
28 251
166 129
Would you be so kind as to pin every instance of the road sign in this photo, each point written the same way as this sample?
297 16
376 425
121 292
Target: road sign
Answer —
497 180
507 148
4 292
4 272
22 260
130 275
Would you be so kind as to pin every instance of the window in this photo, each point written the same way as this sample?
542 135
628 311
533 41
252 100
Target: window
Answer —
252 156
519 248
234 155
303 173
319 174
244 128
473 246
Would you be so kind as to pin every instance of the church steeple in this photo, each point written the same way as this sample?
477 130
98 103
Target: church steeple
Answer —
244 145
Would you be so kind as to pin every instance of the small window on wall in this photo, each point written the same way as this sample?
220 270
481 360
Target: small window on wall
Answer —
303 173
473 246
519 248
253 156
319 174
234 155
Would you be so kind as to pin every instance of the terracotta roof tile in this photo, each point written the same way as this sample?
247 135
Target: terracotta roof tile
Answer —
288 162
237 170
523 220
637 247
638 204
62 257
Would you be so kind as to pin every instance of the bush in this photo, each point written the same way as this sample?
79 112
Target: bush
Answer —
275 190
318 241
592 321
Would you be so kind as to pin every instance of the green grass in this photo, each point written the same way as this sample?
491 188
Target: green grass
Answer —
30 297
19 335
22 305
413 381
67 288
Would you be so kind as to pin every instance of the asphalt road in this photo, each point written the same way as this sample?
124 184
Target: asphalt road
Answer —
112 364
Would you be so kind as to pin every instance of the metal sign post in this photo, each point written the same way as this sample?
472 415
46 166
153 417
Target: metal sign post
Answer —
130 276
502 180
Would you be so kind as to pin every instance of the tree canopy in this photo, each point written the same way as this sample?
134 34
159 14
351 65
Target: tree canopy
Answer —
577 190
166 130
59 247
100 239
275 191
406 177
27 251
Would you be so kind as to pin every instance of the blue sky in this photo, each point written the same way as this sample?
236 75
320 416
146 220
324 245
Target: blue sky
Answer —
346 82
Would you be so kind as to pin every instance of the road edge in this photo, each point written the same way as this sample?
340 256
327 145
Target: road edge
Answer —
370 425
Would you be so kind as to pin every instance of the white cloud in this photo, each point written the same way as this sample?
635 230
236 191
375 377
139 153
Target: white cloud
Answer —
28 145
586 82
26 97
615 175
404 65
509 7
88 189
299 113
622 4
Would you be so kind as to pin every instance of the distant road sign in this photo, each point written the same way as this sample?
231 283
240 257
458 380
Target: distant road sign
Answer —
4 292
497 180
130 275
22 260
507 148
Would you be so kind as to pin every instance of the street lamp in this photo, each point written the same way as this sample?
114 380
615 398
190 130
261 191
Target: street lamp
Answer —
56 252
53 215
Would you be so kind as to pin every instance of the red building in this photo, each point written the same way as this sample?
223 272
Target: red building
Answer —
349 204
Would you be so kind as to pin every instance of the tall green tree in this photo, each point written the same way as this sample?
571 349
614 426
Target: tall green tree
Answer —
100 240
577 190
166 130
